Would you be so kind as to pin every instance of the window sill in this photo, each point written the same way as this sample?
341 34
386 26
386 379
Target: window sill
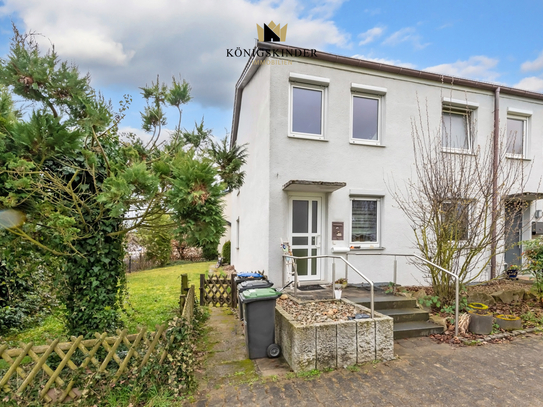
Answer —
517 157
356 248
303 137
455 151
363 143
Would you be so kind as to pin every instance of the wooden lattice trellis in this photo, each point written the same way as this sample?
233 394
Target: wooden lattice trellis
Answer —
218 291
113 353
137 346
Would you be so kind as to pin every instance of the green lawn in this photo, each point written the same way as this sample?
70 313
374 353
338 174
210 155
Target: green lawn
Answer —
153 296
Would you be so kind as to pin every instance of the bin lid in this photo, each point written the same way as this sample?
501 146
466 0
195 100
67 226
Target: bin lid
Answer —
249 275
245 285
255 294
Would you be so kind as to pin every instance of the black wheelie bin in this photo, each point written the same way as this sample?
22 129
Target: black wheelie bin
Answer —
259 313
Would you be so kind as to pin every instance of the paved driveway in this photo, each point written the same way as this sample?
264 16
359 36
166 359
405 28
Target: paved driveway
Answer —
424 374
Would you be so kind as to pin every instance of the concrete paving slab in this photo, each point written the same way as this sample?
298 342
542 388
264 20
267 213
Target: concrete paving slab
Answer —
424 373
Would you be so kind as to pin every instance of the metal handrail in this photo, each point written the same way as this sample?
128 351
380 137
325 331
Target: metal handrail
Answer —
457 280
328 256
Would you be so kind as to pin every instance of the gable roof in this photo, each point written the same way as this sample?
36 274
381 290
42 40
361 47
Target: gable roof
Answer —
251 68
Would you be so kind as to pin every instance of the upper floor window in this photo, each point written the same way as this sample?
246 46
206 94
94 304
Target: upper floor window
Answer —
307 110
307 105
365 118
456 129
367 105
517 132
457 125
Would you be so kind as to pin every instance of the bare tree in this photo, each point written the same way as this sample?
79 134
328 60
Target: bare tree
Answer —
449 200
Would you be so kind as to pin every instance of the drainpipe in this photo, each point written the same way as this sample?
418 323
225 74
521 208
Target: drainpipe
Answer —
495 159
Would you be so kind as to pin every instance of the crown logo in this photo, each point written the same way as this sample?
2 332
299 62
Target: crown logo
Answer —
272 32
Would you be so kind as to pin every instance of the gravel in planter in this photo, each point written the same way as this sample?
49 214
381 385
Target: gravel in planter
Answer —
319 311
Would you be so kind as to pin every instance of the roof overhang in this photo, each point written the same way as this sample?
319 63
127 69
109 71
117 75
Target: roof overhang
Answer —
296 185
526 196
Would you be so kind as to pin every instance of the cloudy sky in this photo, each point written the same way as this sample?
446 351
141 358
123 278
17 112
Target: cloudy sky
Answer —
124 44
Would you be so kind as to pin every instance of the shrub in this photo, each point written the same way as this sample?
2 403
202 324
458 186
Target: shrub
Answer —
226 252
210 252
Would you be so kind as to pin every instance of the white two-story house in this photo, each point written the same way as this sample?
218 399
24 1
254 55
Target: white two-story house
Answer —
326 134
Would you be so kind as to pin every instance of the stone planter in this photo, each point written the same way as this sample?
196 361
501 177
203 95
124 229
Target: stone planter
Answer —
480 324
509 322
333 344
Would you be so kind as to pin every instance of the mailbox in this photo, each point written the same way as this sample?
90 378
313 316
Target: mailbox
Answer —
537 228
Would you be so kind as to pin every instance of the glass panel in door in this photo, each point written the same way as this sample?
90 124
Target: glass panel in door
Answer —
305 234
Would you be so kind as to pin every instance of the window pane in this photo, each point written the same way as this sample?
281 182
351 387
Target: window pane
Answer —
455 218
365 118
364 221
306 111
301 264
300 240
314 213
300 214
515 136
455 130
314 262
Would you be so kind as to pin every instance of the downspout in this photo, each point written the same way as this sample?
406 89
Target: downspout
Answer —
495 159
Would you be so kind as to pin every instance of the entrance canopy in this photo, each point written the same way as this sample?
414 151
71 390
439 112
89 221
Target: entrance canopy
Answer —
526 196
296 185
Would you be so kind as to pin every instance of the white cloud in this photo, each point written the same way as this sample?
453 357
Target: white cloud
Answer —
371 35
531 83
407 34
326 9
126 43
535 65
477 67
386 61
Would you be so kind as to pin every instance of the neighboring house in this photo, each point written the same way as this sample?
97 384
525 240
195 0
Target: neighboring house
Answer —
317 173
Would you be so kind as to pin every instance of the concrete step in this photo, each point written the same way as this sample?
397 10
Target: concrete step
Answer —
415 329
406 314
386 302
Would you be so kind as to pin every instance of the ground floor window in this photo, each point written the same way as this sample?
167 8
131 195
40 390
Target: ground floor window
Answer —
455 219
365 220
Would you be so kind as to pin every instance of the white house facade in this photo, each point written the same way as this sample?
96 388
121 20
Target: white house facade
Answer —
328 136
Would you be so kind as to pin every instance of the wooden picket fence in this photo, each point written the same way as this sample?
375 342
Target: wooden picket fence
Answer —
31 366
218 291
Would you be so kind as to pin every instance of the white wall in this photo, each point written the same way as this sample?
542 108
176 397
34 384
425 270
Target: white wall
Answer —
363 167
250 205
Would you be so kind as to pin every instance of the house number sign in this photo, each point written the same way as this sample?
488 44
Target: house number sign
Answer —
337 230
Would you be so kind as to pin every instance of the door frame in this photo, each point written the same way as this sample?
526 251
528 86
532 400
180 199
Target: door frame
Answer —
318 235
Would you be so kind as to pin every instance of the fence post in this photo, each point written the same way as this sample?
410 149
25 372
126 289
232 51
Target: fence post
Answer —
184 289
130 264
202 289
233 291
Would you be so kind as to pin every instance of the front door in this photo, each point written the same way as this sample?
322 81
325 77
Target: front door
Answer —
305 234
513 234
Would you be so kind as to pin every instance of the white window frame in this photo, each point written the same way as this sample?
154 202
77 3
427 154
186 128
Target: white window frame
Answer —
524 116
323 90
468 204
450 109
379 99
366 245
